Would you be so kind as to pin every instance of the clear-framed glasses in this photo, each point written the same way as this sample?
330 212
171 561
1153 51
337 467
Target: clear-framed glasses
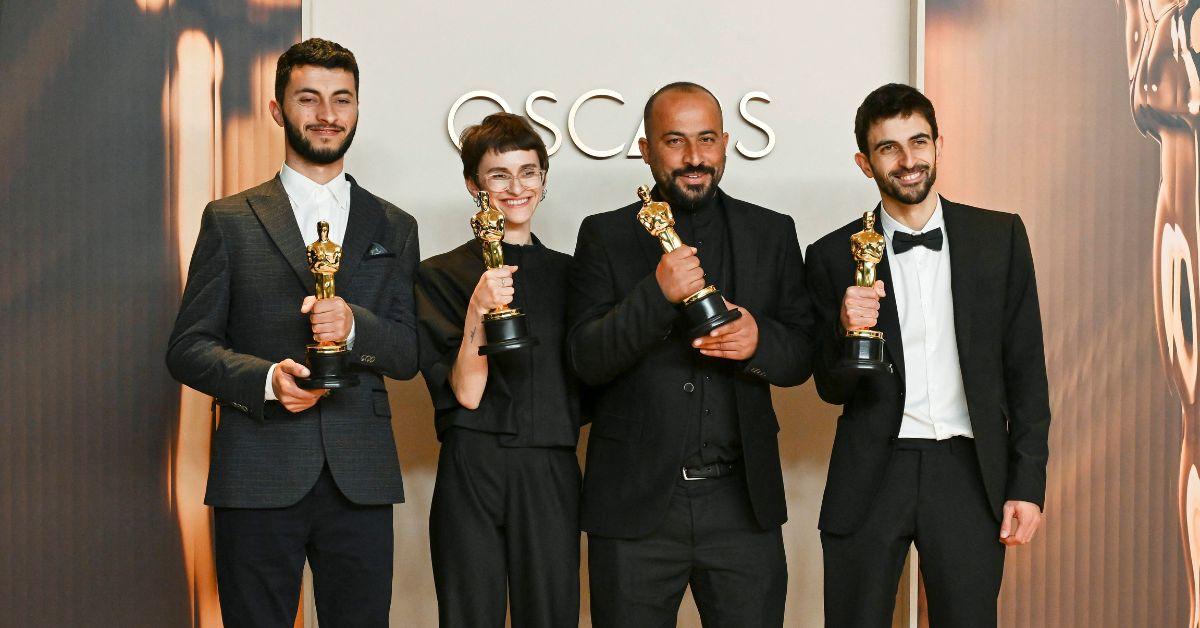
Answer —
502 181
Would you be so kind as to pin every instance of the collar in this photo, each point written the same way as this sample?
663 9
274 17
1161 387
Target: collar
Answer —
890 225
301 189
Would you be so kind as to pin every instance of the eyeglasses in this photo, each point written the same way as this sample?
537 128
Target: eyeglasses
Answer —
502 181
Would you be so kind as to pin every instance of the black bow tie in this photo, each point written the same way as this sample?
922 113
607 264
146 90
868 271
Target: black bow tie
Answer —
902 242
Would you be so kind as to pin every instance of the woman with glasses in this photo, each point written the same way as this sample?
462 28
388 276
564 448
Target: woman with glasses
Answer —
504 521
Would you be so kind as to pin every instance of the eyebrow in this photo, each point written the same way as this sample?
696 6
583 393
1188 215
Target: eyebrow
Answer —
519 168
918 136
682 134
311 90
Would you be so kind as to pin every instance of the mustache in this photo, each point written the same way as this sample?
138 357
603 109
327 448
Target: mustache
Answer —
683 172
323 127
900 172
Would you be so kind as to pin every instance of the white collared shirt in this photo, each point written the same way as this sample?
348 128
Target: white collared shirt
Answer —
935 404
313 202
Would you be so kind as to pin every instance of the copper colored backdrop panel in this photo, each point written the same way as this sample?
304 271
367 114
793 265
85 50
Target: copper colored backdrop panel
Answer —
1033 99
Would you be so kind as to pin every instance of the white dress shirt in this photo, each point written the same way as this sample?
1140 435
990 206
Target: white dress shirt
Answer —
935 404
313 202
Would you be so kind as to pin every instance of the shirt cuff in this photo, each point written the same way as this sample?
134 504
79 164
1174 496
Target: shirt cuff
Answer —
269 391
350 337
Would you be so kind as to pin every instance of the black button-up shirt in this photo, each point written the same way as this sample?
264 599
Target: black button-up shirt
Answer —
713 430
531 399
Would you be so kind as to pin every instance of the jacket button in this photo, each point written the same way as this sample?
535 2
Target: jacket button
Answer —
688 387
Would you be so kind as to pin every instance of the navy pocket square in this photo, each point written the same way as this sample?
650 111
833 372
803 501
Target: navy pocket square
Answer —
378 250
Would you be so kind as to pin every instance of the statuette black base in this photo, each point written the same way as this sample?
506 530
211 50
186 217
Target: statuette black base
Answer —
326 369
708 313
862 356
506 333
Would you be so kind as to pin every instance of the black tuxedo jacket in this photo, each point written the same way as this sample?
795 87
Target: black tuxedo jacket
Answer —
624 341
241 313
999 331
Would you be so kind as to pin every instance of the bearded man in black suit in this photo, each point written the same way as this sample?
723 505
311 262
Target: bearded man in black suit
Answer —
948 450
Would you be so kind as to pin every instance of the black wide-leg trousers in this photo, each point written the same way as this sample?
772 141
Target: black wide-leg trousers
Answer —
709 540
932 495
260 556
504 526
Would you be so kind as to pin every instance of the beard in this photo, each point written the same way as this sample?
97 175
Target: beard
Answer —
322 156
687 197
907 194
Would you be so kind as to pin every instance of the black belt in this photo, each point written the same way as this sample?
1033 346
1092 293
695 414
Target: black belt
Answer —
710 471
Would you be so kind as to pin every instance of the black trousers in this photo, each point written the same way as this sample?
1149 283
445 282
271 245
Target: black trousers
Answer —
504 523
933 495
709 540
260 560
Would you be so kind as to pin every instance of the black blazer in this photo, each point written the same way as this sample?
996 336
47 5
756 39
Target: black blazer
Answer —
624 342
241 313
999 331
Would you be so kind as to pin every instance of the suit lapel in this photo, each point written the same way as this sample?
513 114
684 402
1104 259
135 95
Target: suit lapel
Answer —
962 281
889 317
745 245
365 214
274 211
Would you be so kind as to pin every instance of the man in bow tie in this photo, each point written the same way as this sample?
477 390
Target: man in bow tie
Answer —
949 450
300 473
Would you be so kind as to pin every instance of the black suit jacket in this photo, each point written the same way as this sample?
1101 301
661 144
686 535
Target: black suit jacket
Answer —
241 313
999 332
624 341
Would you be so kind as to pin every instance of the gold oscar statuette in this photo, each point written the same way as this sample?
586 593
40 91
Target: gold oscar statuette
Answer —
863 350
326 360
705 309
505 328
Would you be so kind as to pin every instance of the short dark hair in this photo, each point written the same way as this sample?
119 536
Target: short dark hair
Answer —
500 132
314 51
682 86
889 101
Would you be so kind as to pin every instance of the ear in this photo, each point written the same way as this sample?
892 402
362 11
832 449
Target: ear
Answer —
938 144
471 187
644 147
276 113
864 164
724 142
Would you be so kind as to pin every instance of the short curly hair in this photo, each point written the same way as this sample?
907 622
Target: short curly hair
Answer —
314 51
889 101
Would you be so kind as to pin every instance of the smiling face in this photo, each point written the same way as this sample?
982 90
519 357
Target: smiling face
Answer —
685 146
902 158
319 114
514 179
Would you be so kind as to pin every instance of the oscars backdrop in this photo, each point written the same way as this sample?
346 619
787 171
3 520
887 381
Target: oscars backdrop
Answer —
125 118
1080 115
789 77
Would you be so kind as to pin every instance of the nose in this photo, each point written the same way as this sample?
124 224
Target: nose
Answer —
325 112
907 159
691 155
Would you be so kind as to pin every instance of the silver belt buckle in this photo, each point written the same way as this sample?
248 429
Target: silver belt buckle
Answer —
689 478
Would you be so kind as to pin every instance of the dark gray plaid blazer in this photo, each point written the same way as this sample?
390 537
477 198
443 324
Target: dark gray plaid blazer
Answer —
241 313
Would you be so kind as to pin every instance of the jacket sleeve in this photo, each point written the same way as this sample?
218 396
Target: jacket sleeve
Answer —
785 341
1025 386
387 341
198 353
828 333
609 332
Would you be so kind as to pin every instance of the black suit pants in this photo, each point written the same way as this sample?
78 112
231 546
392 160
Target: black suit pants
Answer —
709 540
504 524
260 560
932 495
